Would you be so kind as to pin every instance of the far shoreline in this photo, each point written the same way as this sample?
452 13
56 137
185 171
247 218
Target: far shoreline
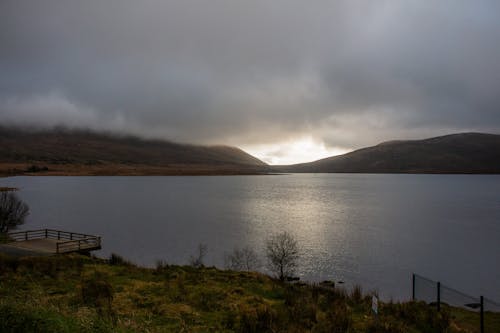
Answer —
36 168
42 169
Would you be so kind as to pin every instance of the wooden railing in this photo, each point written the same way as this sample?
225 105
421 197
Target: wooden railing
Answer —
67 241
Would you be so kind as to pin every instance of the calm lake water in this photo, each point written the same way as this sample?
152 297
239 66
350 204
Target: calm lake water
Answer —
374 230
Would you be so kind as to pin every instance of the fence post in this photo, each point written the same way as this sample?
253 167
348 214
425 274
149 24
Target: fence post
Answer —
481 314
439 296
413 287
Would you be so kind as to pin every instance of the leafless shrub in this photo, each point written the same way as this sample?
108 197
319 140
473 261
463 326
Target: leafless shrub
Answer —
282 251
197 259
13 211
244 259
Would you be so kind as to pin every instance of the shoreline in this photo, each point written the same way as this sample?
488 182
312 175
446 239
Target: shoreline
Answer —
36 168
8 189
42 169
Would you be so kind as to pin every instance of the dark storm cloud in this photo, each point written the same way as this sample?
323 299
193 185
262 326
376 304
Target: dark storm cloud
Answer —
349 73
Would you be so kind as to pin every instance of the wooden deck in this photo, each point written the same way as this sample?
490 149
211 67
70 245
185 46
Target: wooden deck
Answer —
50 241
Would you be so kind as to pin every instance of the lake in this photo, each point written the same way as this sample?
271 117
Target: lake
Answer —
374 230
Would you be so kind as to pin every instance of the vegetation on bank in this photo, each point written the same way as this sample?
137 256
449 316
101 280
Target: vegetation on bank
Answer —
116 169
81 294
7 189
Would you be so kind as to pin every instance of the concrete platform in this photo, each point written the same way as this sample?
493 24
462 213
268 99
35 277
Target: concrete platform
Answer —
15 251
43 245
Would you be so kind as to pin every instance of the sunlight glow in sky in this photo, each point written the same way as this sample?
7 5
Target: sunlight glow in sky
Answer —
304 149
253 74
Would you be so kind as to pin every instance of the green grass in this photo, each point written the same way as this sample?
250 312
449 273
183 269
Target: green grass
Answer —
81 294
4 238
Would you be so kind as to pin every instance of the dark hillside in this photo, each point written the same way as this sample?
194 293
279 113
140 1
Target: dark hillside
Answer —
85 148
456 153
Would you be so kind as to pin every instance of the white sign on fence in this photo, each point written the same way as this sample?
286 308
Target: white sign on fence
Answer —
375 304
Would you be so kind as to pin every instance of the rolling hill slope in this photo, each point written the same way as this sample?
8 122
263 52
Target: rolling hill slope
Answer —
85 149
455 153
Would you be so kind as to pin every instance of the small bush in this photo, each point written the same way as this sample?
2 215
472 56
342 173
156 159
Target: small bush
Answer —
337 318
17 317
197 260
424 317
117 260
51 265
244 259
36 168
386 325
209 300
8 264
4 238
357 294
161 265
257 319
97 292
330 296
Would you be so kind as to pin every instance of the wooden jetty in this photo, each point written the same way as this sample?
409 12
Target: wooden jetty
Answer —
50 241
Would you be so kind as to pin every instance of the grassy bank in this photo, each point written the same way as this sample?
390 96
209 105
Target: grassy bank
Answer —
81 294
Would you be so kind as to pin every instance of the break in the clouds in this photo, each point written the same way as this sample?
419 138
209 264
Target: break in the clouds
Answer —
257 74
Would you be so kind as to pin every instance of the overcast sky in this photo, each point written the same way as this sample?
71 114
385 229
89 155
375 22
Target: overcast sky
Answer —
277 78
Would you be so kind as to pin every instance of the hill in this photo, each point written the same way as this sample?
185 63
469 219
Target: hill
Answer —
84 152
455 153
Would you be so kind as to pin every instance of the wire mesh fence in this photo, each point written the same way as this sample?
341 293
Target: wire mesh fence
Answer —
476 309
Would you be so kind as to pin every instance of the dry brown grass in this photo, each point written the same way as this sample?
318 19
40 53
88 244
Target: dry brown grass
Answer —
14 169
6 189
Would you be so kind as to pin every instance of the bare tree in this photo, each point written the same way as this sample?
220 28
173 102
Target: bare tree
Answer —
197 259
244 259
282 251
13 211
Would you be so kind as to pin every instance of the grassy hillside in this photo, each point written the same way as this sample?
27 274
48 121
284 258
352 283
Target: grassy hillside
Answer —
80 294
77 152
456 153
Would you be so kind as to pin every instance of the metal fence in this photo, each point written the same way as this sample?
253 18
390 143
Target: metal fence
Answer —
480 308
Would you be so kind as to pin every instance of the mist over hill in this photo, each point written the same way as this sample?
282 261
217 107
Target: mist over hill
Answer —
455 153
86 149
84 152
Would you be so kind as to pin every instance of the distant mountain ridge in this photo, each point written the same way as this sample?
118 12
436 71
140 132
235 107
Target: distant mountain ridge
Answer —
454 153
92 149
81 152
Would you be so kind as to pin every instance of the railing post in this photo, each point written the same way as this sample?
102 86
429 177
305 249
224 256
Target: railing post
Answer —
57 248
58 235
413 287
79 245
26 235
481 314
439 296
46 232
71 236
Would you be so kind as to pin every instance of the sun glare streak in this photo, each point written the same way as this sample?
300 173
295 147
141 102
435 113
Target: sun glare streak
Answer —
302 150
